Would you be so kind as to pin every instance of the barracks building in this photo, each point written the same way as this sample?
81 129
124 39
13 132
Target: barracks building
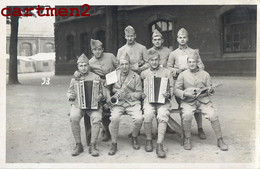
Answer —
224 34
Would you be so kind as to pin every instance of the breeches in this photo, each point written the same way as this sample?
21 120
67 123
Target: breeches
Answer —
161 109
133 111
95 115
188 110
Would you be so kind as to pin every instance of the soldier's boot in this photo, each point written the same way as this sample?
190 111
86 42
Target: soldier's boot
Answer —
77 150
148 132
187 135
113 149
93 150
149 146
201 134
160 151
106 132
135 143
220 143
75 128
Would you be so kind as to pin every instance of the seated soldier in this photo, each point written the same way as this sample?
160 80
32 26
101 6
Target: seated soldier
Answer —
76 113
128 91
150 109
187 83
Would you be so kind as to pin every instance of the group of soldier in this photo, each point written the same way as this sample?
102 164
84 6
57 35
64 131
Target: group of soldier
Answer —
134 63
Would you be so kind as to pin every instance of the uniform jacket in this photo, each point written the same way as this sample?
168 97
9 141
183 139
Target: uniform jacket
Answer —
137 53
187 79
164 53
161 72
106 64
134 89
72 86
178 59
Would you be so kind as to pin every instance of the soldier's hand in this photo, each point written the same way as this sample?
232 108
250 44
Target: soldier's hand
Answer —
140 63
189 93
139 70
211 91
100 97
143 95
72 97
167 95
105 107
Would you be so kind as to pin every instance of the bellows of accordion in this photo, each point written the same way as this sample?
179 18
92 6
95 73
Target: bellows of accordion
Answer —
154 88
87 94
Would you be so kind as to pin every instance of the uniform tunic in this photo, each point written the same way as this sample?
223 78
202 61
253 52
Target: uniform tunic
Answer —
162 109
137 53
131 105
178 59
104 65
77 113
164 53
199 79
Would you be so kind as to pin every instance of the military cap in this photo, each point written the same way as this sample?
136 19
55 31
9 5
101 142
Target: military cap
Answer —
195 55
156 33
83 59
182 31
125 56
129 30
153 53
95 43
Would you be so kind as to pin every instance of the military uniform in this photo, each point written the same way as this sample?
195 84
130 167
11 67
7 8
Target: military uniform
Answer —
196 79
106 64
164 53
162 109
178 59
128 88
136 52
76 113
177 63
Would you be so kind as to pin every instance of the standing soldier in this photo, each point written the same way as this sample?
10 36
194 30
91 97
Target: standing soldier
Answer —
101 64
177 62
136 51
162 110
127 91
188 82
164 52
76 113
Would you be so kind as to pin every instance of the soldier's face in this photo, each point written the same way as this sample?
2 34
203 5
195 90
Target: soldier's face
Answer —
182 39
97 52
83 67
157 41
192 63
130 38
124 66
154 62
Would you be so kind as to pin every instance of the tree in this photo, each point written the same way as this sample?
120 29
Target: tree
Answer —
13 77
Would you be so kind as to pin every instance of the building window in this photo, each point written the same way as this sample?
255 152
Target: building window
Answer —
26 49
239 30
84 44
70 48
48 48
165 27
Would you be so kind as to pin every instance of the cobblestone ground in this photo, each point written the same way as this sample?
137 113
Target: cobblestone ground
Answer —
38 130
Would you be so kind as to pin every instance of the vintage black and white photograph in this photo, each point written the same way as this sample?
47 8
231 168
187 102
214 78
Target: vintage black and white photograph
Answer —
130 86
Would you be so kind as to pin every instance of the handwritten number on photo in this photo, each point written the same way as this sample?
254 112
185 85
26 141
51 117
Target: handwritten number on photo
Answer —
46 81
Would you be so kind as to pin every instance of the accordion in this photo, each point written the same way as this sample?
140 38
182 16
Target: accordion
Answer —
87 94
154 88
